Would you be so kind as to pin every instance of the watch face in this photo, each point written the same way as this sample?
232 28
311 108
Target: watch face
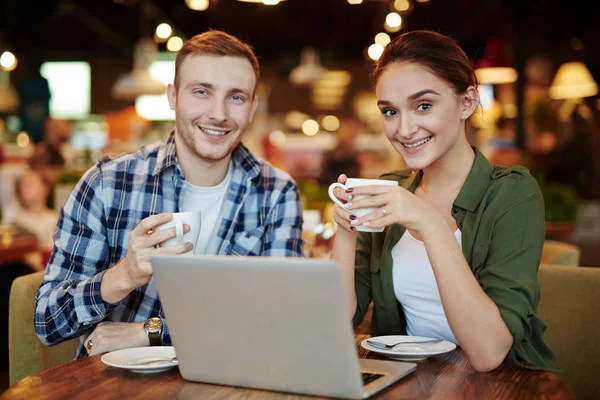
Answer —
153 325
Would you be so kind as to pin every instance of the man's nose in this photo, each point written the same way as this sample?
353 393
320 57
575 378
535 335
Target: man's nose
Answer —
218 111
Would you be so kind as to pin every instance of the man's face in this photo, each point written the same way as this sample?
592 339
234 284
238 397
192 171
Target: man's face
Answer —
213 104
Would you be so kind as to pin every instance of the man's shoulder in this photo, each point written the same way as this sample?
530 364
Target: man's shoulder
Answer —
130 161
274 177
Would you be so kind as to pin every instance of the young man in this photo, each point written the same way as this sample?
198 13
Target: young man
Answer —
98 283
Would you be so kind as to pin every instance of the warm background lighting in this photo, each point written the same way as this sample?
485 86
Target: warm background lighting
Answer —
163 32
310 127
8 61
175 43
330 123
198 5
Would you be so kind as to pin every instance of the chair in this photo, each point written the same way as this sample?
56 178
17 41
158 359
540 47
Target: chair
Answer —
560 253
26 354
569 306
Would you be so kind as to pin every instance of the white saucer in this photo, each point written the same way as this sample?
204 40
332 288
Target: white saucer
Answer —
142 359
409 352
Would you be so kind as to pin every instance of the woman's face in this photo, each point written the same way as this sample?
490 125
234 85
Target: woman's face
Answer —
32 190
423 117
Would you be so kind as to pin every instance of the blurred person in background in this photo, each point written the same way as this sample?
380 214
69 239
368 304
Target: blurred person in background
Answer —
49 152
98 283
34 99
34 215
501 148
463 238
343 158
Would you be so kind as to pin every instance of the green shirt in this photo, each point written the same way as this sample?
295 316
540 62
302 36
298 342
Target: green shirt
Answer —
500 212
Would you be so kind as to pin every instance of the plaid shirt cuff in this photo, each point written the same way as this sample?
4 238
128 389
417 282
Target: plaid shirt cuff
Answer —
89 306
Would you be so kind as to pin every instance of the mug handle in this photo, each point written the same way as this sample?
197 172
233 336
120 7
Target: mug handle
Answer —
178 229
332 196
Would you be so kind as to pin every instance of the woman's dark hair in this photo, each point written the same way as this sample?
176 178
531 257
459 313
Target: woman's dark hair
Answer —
440 54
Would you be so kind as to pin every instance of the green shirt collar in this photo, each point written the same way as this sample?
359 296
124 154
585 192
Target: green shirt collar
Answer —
472 191
476 184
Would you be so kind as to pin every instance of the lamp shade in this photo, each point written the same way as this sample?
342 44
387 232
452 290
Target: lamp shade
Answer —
494 67
138 82
573 81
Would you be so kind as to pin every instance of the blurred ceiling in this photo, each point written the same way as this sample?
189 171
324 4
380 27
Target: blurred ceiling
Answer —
74 28
108 30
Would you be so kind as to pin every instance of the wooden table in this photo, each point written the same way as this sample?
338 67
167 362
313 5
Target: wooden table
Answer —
15 243
448 376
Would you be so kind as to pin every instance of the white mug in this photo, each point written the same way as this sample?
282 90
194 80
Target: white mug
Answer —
359 212
193 219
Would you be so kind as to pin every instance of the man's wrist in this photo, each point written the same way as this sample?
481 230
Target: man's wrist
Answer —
154 329
116 284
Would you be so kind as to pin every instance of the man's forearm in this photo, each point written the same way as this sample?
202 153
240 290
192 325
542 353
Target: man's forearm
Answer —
116 284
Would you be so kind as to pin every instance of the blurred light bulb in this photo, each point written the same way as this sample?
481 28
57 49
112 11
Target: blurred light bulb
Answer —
355 1
382 39
375 51
175 43
330 123
393 20
198 5
270 2
8 61
22 139
310 127
163 31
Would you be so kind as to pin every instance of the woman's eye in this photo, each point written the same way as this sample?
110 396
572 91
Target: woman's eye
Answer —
388 112
424 106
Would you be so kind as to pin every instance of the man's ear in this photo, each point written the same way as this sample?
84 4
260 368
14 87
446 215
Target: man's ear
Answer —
172 95
254 106
469 102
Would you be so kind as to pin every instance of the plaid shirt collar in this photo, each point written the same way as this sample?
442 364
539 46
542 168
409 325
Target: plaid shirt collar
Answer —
242 158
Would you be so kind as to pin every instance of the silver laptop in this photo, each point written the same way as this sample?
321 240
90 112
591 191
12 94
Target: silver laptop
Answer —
270 323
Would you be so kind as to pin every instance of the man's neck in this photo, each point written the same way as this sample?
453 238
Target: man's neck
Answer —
200 172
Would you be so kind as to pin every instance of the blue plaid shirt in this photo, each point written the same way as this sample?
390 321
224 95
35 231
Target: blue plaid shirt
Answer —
261 216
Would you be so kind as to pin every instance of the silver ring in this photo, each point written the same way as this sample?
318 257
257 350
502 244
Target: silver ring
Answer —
383 212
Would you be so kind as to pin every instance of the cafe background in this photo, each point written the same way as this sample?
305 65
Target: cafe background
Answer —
97 71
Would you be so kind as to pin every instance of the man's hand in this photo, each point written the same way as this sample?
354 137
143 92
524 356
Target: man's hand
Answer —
111 336
135 270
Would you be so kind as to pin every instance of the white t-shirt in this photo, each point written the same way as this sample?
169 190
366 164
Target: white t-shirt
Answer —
416 289
209 201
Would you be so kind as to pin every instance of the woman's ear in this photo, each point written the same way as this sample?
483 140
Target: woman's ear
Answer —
469 102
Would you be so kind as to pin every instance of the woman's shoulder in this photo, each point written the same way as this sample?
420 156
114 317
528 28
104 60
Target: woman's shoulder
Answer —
514 183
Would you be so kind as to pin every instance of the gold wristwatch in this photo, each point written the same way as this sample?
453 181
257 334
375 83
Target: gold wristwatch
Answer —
154 327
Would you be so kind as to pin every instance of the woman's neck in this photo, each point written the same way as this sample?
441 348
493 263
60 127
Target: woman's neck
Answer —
450 171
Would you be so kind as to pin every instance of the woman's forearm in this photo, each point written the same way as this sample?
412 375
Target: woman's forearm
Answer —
343 252
473 317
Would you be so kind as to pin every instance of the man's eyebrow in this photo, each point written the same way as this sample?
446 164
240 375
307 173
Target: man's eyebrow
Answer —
238 90
203 84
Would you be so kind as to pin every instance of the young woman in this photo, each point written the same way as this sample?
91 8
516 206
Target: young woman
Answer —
463 238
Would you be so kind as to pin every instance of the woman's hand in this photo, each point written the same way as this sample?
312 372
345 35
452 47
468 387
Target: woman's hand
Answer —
394 205
340 215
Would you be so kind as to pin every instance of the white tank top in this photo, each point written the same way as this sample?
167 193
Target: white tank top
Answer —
416 289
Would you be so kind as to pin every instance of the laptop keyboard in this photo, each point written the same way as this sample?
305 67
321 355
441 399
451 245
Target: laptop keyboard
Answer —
368 377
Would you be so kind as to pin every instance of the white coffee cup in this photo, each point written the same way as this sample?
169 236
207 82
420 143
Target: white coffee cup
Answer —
359 212
193 219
